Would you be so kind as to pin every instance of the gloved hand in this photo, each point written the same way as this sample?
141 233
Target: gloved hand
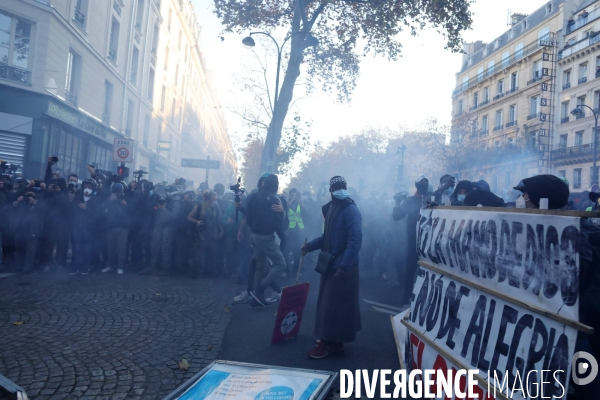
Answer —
399 198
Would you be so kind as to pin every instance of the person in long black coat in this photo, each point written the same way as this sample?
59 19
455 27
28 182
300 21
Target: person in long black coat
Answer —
338 312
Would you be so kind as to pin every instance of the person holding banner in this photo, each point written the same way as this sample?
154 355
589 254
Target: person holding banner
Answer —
338 312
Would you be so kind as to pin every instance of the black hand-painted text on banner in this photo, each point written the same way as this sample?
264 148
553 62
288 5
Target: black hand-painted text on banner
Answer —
490 334
530 257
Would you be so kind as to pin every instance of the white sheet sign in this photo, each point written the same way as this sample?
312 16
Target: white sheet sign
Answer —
530 257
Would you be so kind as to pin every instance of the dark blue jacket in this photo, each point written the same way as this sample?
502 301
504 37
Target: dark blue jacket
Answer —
346 236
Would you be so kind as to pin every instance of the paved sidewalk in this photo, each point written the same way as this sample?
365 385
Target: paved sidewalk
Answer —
108 337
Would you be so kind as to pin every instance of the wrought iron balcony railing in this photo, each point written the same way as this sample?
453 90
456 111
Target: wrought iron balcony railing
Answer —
14 74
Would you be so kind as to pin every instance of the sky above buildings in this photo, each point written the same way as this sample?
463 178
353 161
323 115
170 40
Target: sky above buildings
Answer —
388 94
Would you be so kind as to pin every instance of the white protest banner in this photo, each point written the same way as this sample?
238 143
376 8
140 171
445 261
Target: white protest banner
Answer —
531 257
485 332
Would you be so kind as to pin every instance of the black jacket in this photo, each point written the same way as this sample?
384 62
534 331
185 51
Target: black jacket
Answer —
261 219
84 218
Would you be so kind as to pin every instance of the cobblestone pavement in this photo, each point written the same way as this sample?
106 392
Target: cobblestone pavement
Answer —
108 337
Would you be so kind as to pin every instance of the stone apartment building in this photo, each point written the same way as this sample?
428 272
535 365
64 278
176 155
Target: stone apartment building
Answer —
504 104
76 74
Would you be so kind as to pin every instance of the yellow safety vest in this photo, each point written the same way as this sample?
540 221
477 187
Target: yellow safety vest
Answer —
295 218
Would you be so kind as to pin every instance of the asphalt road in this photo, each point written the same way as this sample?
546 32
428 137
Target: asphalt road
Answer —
248 335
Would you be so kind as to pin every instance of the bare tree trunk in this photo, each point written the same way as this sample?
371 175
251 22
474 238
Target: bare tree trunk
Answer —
286 94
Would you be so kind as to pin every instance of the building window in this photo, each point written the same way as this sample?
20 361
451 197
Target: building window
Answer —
484 123
72 77
582 73
525 24
499 119
150 85
134 66
475 99
534 105
537 72
564 112
548 8
169 20
513 82
163 94
460 107
15 37
597 99
479 74
108 96
598 67
500 86
562 173
566 79
465 82
580 104
139 20
166 66
79 13
146 130
519 51
155 37
486 94
505 59
544 34
173 110
562 141
491 67
113 45
577 178
579 138
512 113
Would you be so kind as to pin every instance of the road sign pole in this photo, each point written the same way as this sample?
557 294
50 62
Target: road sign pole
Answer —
206 180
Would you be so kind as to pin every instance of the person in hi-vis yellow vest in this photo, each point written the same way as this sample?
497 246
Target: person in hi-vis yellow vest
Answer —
295 233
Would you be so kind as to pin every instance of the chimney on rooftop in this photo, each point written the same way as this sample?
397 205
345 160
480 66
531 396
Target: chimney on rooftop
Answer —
515 18
470 49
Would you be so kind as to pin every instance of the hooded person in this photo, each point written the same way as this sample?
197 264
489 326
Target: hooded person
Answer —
444 190
542 187
460 192
264 223
481 184
84 211
338 312
409 210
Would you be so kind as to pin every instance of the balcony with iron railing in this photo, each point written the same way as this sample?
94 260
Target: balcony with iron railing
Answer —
580 115
567 86
511 123
584 151
533 116
79 17
579 45
498 128
153 56
483 103
506 63
579 22
498 96
564 120
582 80
474 107
71 98
133 78
513 90
484 131
538 77
14 74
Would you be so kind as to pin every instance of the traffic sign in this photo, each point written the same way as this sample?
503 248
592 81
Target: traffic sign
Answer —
200 163
123 150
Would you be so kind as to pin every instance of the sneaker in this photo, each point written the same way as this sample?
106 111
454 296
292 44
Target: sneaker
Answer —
242 298
275 297
323 350
107 269
73 272
85 271
120 271
259 299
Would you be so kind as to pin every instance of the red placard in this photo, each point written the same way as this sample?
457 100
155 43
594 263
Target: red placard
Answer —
289 313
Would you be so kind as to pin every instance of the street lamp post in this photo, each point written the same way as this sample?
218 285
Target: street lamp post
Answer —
400 176
311 41
577 111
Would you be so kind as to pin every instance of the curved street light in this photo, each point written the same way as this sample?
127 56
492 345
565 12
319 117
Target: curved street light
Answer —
248 41
578 112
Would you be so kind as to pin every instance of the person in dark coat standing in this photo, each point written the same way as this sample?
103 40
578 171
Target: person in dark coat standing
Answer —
338 312
410 209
